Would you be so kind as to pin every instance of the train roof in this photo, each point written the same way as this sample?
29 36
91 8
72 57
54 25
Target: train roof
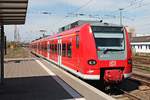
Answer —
40 38
81 22
75 24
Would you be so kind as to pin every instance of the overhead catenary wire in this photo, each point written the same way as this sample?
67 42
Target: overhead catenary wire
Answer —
76 10
128 6
133 4
114 16
81 7
136 7
140 6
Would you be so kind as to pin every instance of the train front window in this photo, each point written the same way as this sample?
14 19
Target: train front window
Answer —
109 37
110 42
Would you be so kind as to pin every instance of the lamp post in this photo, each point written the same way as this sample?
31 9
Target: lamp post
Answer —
43 32
121 9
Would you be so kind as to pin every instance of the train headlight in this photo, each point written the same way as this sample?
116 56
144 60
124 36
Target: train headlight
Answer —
92 62
129 61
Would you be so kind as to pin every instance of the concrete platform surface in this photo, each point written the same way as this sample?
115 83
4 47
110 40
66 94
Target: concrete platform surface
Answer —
38 79
88 91
27 80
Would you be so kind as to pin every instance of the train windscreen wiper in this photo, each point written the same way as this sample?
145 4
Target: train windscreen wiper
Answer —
105 51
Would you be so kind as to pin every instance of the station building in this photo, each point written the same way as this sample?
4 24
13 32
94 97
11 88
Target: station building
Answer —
141 44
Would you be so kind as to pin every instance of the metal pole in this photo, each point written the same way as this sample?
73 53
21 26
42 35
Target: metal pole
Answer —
120 15
2 53
5 45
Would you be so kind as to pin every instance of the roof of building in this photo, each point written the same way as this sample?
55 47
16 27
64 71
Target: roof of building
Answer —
140 39
13 11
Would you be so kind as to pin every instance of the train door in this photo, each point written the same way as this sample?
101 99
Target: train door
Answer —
40 50
78 53
48 49
59 51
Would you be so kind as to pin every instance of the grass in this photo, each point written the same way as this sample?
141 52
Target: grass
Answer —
18 52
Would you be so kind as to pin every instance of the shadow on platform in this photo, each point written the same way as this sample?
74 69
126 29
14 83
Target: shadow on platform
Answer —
32 88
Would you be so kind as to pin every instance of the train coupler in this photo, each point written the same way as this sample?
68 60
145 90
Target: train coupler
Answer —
112 76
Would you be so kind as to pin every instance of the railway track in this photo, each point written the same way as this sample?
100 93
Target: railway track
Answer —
123 92
126 95
142 68
140 65
143 79
140 92
135 94
141 60
142 56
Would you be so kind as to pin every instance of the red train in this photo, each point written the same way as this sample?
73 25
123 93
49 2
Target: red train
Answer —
89 49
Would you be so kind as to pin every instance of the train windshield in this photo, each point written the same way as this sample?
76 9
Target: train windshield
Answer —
109 37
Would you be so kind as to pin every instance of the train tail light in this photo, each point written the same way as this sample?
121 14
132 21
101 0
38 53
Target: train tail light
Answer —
92 62
129 61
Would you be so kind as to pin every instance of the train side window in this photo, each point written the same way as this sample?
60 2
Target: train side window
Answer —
39 46
48 47
52 48
69 51
77 41
55 48
64 49
45 47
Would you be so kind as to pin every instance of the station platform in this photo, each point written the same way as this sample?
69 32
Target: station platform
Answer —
38 79
25 79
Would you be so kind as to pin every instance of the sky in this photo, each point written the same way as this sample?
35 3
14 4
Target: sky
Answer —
50 15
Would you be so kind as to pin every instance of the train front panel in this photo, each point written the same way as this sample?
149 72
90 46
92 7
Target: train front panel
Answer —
106 53
113 52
